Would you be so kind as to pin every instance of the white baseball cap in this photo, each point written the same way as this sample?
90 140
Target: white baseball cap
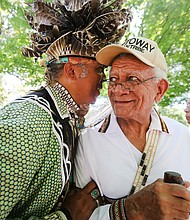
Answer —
144 49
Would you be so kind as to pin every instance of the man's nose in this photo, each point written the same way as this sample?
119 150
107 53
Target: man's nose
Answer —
120 89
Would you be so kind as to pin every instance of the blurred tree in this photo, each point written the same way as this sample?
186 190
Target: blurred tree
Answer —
168 22
2 93
14 35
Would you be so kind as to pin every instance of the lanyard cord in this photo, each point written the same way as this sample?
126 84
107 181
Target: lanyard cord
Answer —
146 161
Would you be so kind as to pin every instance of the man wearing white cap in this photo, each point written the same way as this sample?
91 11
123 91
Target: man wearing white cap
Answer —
128 153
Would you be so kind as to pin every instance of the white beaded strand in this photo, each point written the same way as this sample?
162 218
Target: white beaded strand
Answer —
146 161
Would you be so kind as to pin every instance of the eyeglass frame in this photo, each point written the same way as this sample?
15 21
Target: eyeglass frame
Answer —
122 83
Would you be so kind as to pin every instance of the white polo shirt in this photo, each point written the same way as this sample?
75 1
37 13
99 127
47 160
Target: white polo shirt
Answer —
112 161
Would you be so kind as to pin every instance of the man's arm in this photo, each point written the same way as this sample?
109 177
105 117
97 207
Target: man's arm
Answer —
18 165
20 157
156 201
82 176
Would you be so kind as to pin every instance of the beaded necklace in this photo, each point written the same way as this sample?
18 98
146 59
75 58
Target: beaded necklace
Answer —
146 161
72 105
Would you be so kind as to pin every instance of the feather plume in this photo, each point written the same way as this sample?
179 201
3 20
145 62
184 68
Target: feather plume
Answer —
75 27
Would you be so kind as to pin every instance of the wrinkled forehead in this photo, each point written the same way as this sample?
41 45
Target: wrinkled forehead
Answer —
127 59
128 62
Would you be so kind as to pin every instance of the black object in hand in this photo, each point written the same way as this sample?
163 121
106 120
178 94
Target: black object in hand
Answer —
173 177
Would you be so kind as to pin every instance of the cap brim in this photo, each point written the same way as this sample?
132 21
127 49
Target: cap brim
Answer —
107 54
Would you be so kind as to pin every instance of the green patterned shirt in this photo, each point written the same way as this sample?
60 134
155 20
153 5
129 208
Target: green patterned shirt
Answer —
34 168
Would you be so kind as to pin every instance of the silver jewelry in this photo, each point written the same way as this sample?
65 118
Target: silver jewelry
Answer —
97 202
66 96
95 193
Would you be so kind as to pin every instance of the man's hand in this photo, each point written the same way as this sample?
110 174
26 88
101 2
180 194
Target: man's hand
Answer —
80 203
159 201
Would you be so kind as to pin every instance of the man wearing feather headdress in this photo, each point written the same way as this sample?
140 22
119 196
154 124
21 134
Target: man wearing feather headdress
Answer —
39 131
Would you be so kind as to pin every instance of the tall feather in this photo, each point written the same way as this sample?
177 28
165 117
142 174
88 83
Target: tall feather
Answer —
75 27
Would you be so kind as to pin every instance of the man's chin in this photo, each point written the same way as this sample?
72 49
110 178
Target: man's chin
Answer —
95 98
93 102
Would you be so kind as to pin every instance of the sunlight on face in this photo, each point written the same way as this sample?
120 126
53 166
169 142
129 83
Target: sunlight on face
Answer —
89 79
133 103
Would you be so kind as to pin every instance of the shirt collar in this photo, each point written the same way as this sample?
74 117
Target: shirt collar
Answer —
157 123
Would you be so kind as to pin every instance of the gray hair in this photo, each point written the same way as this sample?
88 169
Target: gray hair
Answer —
159 74
52 72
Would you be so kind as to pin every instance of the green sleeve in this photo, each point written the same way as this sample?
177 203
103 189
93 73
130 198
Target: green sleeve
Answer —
54 216
23 146
20 158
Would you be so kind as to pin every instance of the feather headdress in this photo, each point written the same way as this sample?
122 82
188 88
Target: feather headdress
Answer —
75 27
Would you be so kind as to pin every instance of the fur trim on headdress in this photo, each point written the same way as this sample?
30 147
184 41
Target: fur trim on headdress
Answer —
75 27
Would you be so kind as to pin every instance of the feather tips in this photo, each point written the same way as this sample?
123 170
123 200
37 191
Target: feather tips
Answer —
75 5
75 27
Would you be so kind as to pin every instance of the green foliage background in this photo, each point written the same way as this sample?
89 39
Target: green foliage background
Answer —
165 21
14 35
168 22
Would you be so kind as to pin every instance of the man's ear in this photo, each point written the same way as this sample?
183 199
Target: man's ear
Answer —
162 87
69 71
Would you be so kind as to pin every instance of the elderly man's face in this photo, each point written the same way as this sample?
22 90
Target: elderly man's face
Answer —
187 111
133 88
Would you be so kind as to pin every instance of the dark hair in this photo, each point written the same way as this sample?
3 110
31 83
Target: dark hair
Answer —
53 70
